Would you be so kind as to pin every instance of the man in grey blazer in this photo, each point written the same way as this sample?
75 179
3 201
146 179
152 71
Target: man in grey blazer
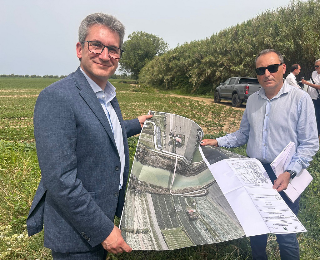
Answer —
83 151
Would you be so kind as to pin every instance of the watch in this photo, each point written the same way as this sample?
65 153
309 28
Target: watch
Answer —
292 173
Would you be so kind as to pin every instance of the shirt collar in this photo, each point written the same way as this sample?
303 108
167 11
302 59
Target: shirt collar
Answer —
107 94
284 89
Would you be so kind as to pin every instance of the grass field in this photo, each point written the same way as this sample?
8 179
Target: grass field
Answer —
20 174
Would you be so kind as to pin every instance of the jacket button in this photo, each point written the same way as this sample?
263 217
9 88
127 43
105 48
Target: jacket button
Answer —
117 168
85 236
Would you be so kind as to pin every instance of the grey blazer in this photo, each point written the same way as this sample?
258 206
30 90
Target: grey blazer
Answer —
78 195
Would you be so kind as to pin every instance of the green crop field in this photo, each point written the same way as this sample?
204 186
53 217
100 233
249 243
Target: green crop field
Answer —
20 174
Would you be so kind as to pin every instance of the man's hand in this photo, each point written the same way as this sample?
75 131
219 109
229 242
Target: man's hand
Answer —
303 81
310 84
281 183
212 142
143 118
114 243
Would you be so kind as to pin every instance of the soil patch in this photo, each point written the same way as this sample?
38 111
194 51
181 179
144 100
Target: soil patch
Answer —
210 101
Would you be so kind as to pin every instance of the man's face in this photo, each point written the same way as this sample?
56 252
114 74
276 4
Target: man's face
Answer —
271 82
297 71
99 67
317 67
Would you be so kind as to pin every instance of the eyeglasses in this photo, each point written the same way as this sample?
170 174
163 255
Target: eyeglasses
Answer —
271 68
97 48
316 66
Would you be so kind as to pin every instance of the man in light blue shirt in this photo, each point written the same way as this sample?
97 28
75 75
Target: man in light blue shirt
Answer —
275 115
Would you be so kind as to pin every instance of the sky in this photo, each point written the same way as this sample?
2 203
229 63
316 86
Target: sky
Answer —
39 36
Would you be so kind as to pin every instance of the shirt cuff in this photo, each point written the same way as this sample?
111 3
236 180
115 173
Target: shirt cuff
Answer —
296 167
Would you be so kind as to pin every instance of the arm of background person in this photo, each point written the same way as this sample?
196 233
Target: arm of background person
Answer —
310 84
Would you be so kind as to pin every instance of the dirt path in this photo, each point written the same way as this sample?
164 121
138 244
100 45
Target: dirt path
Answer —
210 101
230 124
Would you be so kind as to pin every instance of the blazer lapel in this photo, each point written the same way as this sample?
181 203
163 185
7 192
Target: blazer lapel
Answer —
92 101
116 107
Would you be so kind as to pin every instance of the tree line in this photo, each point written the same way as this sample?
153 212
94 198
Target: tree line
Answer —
114 76
199 66
30 76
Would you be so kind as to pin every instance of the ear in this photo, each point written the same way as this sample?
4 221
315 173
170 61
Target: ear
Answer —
284 67
79 50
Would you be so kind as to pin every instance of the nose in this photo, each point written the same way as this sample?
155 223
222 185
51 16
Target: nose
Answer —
267 73
105 54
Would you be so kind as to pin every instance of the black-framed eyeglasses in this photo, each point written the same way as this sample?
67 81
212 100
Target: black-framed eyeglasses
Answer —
316 66
271 68
97 47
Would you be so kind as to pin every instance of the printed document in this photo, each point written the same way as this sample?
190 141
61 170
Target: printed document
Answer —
299 183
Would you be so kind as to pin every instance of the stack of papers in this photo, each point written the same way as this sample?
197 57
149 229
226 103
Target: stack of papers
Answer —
299 183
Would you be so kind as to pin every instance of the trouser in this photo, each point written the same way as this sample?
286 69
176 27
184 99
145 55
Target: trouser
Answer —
288 243
316 103
100 254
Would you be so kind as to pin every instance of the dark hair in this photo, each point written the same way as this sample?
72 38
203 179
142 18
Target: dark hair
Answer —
268 51
294 67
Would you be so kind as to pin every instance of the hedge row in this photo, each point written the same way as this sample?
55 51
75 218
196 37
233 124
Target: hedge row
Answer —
199 66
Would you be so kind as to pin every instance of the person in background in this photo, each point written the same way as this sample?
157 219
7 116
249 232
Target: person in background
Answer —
315 78
275 115
82 148
291 78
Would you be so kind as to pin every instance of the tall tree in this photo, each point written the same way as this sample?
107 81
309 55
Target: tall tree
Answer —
139 49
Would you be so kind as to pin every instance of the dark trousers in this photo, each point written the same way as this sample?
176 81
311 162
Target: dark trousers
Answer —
316 103
100 254
288 243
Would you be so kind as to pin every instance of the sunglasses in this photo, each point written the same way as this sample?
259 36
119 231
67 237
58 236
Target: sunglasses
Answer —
271 68
316 66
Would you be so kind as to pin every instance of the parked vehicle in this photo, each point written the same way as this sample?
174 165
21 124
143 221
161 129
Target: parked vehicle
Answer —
238 89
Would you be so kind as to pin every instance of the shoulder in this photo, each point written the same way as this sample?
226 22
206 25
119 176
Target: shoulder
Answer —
58 95
63 86
254 101
289 76
316 77
256 95
294 90
297 96
60 84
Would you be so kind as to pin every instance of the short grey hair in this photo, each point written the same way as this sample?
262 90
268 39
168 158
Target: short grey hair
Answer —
317 60
268 51
104 19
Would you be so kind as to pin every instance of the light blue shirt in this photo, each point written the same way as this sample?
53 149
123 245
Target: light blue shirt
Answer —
106 96
267 126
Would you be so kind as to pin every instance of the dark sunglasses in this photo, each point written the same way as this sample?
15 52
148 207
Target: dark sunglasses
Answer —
316 66
271 68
